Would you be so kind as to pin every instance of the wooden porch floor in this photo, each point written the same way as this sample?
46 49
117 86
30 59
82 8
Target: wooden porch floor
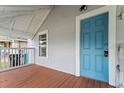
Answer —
35 76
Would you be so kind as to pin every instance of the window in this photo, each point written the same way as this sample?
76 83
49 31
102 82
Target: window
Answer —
43 43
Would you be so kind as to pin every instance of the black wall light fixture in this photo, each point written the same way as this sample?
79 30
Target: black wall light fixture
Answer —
83 8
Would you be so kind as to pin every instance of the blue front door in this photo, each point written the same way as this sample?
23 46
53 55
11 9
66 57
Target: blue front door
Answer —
93 47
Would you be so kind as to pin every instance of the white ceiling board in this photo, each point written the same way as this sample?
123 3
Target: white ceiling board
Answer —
3 20
19 8
36 20
15 34
4 25
20 12
22 20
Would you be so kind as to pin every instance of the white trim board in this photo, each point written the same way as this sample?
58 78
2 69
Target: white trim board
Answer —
111 39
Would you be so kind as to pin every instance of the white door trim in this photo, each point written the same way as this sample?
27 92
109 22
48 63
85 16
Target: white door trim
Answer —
111 39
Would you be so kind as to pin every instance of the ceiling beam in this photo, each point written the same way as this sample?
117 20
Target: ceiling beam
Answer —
12 23
30 22
42 21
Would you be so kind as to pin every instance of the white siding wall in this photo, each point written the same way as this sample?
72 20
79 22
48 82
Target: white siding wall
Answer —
120 40
120 26
61 24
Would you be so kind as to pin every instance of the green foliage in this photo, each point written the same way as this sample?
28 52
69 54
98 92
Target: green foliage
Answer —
4 65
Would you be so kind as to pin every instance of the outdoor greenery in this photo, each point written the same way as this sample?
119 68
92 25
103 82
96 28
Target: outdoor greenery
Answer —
4 65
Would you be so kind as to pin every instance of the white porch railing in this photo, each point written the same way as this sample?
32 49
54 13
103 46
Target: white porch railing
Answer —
16 57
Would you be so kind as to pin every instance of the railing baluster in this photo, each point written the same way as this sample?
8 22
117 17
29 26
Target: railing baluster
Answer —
34 55
12 63
4 59
22 59
27 56
23 56
18 57
15 57
9 56
0 59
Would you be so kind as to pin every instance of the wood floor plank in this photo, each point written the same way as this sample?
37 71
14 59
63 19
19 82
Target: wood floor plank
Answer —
97 84
59 82
35 76
91 83
77 83
84 83
68 83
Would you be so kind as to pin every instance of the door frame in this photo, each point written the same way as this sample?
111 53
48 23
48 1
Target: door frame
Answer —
111 9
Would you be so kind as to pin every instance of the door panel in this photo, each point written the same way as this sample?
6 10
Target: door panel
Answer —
86 40
99 40
93 42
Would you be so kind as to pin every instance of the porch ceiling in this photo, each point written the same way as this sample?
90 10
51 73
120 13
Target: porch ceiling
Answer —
22 21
